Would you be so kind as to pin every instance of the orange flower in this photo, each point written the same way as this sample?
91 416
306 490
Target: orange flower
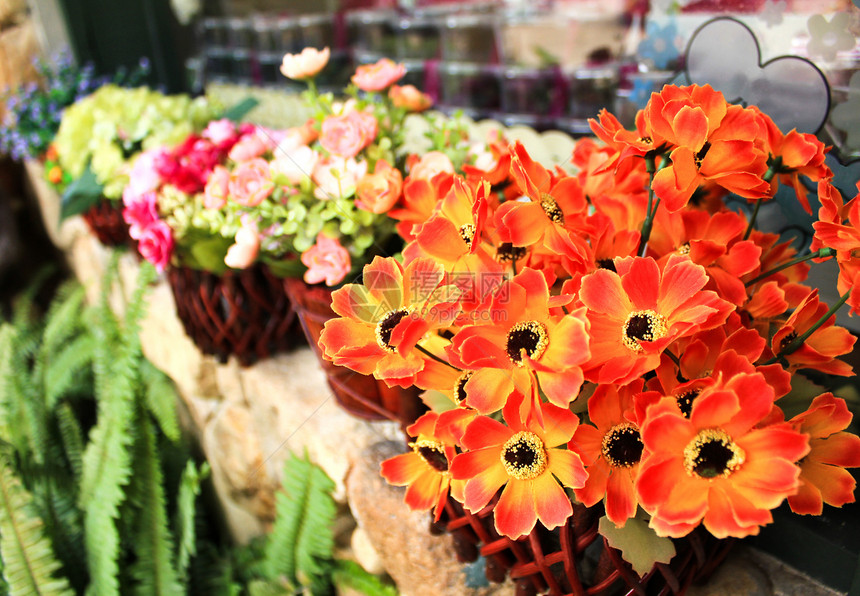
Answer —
637 312
381 321
500 168
818 351
556 203
379 191
792 155
716 467
611 451
424 470
304 65
420 197
823 477
409 98
525 339
378 76
456 227
524 459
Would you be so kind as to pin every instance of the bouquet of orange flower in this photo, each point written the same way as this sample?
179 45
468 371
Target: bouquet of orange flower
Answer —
617 335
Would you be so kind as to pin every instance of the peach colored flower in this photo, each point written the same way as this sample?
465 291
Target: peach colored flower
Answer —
216 189
244 252
249 147
336 177
378 192
295 165
250 182
376 77
304 65
219 131
409 98
326 261
430 164
348 134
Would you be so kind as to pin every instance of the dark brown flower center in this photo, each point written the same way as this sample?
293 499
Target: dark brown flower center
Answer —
607 264
647 140
524 456
552 210
507 252
700 156
460 387
713 454
433 453
787 340
530 336
685 401
386 325
643 325
622 445
467 233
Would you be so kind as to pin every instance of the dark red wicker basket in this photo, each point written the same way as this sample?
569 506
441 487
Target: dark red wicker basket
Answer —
575 560
106 222
243 313
360 395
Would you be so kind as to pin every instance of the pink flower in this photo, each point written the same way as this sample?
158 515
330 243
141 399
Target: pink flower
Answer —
249 147
409 98
250 182
220 132
376 77
156 244
336 177
244 252
144 176
295 165
326 260
140 211
379 191
348 134
430 164
215 192
304 65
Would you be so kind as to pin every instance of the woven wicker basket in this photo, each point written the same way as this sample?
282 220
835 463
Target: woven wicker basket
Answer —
360 395
106 222
245 314
575 560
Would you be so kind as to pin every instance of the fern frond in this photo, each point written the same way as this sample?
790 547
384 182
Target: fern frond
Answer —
72 438
349 574
153 545
186 515
161 399
66 368
29 562
62 321
301 538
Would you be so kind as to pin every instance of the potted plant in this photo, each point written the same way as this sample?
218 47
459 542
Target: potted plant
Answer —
613 357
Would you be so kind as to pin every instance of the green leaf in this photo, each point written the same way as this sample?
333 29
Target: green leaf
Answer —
241 109
301 539
437 401
80 195
209 254
186 511
639 545
349 574
29 563
160 399
285 267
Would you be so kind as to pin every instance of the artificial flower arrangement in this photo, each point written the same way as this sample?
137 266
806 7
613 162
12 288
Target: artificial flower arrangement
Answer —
616 336
101 135
34 110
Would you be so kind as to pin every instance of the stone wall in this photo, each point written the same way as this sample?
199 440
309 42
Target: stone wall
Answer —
19 44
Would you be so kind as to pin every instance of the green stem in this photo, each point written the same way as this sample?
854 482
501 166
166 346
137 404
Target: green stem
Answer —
651 210
435 357
673 358
768 176
823 253
795 344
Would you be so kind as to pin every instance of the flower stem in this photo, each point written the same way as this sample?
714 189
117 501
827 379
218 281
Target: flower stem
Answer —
434 356
651 210
795 344
768 176
823 253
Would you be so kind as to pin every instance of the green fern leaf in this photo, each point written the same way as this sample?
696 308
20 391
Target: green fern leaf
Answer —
71 437
62 321
349 574
153 545
66 367
29 562
301 538
161 399
186 512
